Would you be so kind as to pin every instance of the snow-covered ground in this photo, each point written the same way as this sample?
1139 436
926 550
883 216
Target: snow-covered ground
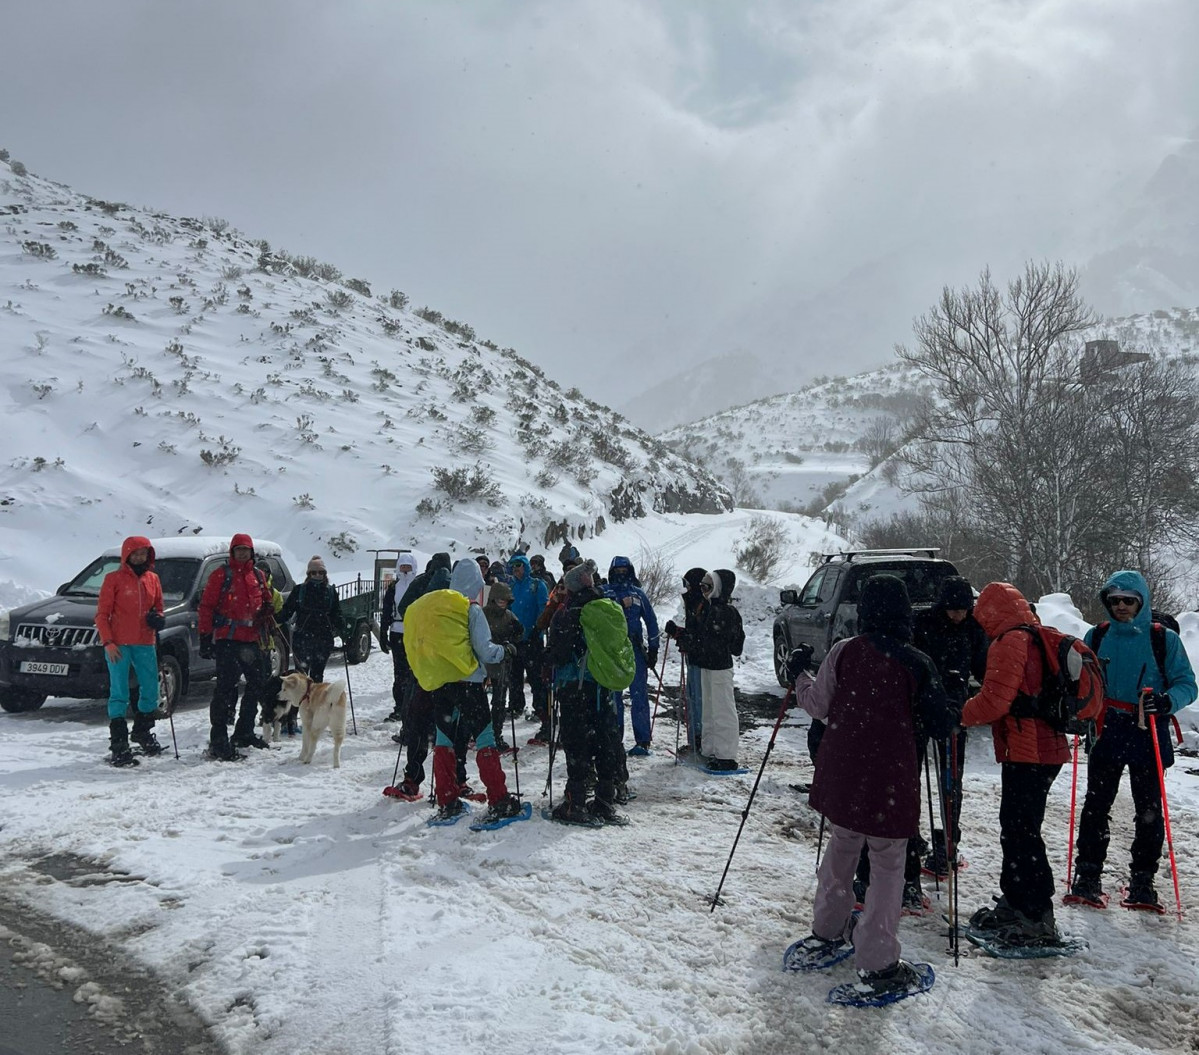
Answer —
297 910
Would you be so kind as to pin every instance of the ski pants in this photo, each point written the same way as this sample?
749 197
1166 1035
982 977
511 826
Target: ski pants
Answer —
144 661
499 701
527 661
638 699
418 726
695 706
720 714
590 732
1094 830
402 680
1025 877
875 937
311 659
460 712
236 659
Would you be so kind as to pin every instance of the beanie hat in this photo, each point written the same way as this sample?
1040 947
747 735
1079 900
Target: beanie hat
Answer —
578 578
316 564
884 607
956 593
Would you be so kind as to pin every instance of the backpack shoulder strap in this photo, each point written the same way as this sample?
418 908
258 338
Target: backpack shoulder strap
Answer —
1100 633
1157 640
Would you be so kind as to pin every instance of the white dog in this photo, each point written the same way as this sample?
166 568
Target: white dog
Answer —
321 705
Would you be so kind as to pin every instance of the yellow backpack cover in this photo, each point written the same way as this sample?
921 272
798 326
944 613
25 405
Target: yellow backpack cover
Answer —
437 639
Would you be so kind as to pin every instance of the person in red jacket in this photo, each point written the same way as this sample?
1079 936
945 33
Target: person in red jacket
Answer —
1030 754
128 615
233 607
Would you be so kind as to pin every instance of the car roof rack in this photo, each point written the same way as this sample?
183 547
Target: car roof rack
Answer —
848 555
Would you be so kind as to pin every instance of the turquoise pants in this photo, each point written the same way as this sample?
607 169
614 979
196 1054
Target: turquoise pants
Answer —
144 660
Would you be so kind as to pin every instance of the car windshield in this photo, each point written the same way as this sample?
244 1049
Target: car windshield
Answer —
176 574
922 580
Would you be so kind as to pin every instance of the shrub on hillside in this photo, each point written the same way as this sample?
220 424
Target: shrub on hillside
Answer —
465 484
762 547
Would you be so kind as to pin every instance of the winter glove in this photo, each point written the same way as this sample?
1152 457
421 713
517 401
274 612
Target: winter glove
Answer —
1158 703
155 620
651 658
510 647
206 646
672 628
384 644
799 661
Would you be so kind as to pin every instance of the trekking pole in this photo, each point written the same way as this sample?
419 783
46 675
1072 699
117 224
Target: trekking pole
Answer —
745 812
819 842
345 659
171 719
552 704
654 716
516 750
1161 781
951 849
1073 801
678 725
932 827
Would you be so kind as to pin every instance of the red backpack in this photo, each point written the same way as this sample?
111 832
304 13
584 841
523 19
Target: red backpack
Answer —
1072 697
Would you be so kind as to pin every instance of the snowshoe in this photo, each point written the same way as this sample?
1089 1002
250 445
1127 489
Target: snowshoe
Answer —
465 791
935 867
451 813
405 790
915 902
225 752
249 740
879 988
815 954
538 739
1142 897
723 767
1086 890
606 813
996 944
500 815
566 812
639 751
121 757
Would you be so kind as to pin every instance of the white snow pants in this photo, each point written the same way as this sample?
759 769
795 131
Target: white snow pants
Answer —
720 714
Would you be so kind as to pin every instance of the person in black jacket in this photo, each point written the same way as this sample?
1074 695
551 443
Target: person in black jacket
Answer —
695 604
717 637
951 637
314 606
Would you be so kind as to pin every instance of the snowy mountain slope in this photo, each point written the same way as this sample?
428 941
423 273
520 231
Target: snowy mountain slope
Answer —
166 375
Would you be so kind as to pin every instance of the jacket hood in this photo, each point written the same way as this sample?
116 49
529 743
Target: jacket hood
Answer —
692 578
241 539
405 558
520 558
439 560
622 562
136 542
500 591
885 608
1000 607
1129 582
467 579
723 584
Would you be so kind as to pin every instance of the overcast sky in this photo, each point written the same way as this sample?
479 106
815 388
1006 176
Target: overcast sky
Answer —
618 187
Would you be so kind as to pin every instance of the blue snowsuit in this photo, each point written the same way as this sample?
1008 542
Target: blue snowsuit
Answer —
626 591
1127 651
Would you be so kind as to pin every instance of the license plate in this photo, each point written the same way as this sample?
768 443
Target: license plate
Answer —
33 667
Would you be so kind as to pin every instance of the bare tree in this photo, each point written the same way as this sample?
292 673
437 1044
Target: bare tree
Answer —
880 439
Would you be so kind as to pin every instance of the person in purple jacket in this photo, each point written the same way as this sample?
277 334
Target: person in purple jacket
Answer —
879 696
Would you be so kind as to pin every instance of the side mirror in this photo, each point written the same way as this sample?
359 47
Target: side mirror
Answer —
62 589
788 596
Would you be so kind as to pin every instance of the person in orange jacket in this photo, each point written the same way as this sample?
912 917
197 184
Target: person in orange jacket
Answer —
1031 754
233 607
128 616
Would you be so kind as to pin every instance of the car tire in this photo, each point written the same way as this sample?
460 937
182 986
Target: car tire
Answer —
359 645
781 653
18 701
280 654
170 682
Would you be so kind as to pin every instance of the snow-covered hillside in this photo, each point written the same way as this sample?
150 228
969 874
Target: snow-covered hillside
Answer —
166 376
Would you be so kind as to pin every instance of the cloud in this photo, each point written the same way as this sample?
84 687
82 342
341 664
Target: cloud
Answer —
618 187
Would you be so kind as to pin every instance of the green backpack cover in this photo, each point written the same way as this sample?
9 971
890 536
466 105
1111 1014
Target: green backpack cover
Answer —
609 660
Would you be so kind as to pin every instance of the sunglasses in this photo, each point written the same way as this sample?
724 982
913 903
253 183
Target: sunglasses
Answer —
706 587
318 574
1130 602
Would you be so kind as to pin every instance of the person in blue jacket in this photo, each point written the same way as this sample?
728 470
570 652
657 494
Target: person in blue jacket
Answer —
626 591
529 598
1126 647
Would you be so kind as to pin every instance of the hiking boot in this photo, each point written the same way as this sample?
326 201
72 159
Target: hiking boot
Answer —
249 740
606 812
1087 888
224 752
622 795
639 750
508 806
541 738
570 812
143 734
913 898
1141 890
900 977
816 954
994 919
722 765
859 892
118 743
453 808
149 744
395 716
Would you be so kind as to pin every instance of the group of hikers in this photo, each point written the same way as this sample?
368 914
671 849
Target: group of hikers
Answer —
878 701
578 657
902 681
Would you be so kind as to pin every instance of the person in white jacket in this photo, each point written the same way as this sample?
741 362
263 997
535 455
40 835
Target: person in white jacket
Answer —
391 638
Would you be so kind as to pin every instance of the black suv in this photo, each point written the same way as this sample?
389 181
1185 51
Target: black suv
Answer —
826 609
52 648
